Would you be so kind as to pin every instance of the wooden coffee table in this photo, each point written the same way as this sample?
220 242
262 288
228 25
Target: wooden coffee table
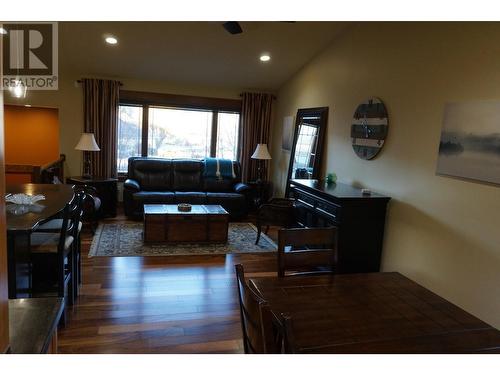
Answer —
203 224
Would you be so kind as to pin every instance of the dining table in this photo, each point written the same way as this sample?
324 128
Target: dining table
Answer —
21 221
372 313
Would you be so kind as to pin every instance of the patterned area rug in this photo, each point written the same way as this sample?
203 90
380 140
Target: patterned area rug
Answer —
118 240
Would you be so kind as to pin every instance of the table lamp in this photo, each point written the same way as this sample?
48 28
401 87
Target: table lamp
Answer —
87 144
261 153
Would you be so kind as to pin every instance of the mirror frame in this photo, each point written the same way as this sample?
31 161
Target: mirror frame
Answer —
322 113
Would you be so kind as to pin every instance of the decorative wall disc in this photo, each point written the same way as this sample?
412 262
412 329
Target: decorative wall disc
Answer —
369 128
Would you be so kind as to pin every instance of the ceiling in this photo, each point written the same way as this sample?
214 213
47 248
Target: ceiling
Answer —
200 53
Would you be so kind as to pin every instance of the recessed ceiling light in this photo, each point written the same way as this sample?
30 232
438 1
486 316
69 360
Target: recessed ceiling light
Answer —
265 57
111 40
3 31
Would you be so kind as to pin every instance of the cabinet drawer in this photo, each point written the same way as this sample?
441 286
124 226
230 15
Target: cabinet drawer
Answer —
331 210
304 198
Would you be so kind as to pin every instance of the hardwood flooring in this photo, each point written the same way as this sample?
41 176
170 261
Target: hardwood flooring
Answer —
171 304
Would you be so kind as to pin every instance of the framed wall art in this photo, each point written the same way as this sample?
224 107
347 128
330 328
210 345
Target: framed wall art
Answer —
470 141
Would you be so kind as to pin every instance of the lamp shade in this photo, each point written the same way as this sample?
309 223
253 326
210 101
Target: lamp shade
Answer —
87 143
261 152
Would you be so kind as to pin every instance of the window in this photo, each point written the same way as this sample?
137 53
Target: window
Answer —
129 134
172 126
179 133
227 135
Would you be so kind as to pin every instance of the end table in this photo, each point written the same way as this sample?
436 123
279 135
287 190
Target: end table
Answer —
261 192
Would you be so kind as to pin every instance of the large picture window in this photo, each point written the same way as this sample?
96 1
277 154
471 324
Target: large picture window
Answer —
160 129
179 133
227 135
129 134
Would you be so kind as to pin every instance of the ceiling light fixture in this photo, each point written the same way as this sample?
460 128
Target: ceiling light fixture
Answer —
111 40
3 31
265 57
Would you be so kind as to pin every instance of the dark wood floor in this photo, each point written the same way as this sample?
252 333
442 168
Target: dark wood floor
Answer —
172 304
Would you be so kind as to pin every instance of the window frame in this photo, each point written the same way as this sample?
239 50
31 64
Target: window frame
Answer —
150 99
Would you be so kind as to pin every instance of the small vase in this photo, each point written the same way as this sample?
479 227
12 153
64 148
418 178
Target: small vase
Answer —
331 178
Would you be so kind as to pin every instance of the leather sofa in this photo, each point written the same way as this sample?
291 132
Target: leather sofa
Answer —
172 181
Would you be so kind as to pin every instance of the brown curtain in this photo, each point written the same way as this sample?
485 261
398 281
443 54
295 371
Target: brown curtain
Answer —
100 102
256 112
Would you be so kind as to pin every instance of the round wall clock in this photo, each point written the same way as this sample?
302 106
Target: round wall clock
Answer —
369 128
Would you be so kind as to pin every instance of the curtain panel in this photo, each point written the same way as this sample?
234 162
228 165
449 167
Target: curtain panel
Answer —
100 101
256 115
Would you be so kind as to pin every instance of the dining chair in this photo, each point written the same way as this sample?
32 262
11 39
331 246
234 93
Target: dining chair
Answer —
91 205
277 212
289 344
259 334
54 225
55 249
307 250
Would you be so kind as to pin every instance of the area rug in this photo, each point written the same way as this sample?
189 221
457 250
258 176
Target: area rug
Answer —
118 240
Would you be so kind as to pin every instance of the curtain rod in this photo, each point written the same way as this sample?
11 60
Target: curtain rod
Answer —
272 95
80 81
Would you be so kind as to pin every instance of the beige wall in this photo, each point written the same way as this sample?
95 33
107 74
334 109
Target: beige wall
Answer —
441 232
69 100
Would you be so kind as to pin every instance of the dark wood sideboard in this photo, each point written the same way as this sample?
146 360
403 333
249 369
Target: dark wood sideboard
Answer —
360 219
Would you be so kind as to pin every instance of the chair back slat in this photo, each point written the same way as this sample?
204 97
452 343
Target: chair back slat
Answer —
308 236
289 344
65 229
75 213
256 319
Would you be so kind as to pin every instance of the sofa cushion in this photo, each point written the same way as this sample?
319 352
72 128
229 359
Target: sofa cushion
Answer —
217 185
192 197
213 197
222 185
152 174
232 202
154 197
187 174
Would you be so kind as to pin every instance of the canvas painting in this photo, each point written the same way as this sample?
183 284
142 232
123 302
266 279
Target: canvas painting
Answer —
286 143
470 141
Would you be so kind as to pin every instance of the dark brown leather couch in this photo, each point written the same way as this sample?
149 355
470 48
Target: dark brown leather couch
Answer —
172 181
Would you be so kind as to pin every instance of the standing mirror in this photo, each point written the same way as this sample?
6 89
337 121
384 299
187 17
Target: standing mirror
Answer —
306 154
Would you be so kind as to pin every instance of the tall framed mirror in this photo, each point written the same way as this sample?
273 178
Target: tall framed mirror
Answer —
307 147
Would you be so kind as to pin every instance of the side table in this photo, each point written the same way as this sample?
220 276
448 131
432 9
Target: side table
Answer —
260 193
107 191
